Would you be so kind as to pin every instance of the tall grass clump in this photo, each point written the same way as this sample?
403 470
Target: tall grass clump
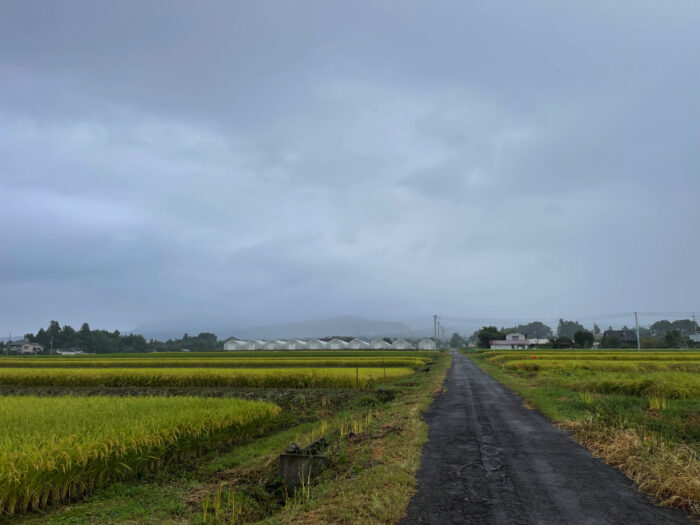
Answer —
54 449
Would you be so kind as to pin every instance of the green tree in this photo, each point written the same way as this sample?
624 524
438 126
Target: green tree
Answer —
596 329
675 339
611 341
456 341
535 329
567 329
488 334
584 338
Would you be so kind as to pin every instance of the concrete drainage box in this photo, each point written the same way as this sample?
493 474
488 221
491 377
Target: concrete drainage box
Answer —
299 466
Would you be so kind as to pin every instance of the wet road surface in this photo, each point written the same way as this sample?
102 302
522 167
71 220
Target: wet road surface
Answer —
490 460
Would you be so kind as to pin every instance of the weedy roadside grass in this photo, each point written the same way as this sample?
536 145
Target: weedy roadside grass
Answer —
640 412
372 476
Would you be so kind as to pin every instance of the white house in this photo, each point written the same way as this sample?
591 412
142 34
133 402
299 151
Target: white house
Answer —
337 344
358 344
402 344
380 344
426 344
317 344
275 344
514 341
24 347
296 344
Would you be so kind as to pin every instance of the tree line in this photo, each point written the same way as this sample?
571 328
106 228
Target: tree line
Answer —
85 339
661 334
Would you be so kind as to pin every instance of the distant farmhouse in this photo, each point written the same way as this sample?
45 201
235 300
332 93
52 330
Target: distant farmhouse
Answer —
233 344
621 337
516 341
24 347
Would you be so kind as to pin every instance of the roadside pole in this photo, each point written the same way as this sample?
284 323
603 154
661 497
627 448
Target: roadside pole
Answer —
435 321
636 324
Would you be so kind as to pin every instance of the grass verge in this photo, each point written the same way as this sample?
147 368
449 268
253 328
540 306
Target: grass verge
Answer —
372 476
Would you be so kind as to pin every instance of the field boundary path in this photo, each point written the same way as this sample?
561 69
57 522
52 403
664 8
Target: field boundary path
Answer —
491 460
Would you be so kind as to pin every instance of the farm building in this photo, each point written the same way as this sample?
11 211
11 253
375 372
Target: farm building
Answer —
24 347
402 344
514 341
380 344
426 344
235 344
317 344
358 344
296 344
275 344
337 344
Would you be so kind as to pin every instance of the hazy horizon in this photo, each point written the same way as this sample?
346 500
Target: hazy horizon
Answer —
269 163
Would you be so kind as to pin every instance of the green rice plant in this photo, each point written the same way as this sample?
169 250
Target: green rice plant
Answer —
670 385
201 377
658 403
54 449
587 397
601 365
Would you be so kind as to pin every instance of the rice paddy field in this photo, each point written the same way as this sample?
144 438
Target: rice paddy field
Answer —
202 377
58 445
52 449
212 362
638 410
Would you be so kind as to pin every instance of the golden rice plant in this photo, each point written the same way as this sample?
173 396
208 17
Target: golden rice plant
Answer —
53 449
210 362
201 377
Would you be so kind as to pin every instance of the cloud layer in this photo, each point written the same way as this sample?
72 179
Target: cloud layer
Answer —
276 161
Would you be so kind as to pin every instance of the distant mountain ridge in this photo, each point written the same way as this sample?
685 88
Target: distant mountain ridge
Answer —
344 325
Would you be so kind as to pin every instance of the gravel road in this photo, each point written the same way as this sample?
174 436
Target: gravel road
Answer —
491 460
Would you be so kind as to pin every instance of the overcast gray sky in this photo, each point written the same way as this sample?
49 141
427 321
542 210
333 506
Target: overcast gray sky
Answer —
277 161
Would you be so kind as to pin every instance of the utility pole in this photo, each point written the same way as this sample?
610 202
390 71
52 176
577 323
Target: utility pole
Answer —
636 324
435 321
